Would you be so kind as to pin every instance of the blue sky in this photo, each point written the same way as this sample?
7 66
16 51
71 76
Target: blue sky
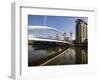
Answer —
62 23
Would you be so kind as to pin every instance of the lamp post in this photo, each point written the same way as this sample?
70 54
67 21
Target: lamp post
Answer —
71 36
45 20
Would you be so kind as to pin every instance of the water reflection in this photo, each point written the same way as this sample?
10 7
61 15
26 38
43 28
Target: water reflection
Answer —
38 55
81 55
74 55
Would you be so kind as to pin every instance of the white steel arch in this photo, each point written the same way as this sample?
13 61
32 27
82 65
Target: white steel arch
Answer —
45 27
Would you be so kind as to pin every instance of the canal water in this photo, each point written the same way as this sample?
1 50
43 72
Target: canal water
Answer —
56 55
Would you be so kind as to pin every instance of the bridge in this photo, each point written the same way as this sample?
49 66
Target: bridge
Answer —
44 37
48 40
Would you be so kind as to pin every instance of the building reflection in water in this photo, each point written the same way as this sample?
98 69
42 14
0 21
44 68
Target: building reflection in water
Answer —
72 56
81 56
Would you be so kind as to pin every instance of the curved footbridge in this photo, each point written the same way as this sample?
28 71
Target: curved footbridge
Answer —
46 35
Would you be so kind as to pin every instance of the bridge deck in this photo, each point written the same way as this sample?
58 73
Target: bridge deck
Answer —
48 40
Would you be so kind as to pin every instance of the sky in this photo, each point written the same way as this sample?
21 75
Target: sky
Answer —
63 23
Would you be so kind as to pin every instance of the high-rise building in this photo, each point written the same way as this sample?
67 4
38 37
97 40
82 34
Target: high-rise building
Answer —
81 31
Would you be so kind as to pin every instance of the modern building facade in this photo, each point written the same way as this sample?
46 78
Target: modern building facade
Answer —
81 31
